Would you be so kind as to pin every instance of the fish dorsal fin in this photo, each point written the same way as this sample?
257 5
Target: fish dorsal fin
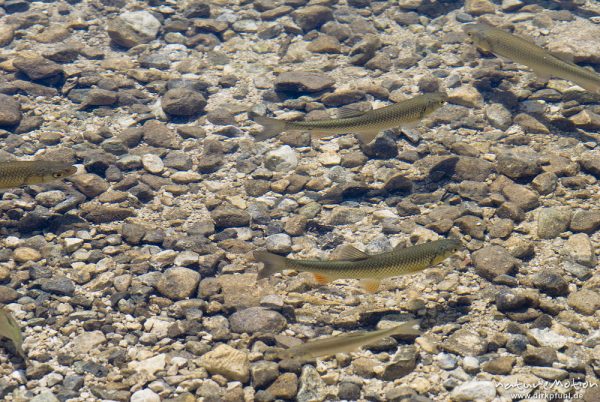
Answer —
347 112
351 253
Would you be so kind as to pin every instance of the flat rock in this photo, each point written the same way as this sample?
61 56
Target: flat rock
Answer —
133 28
257 319
37 67
10 111
228 362
183 102
552 222
178 283
585 221
581 250
87 341
585 301
492 261
312 17
474 391
159 135
303 82
465 343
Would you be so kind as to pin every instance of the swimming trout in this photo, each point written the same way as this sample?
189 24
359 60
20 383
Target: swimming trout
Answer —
517 49
10 329
22 173
355 264
365 124
345 343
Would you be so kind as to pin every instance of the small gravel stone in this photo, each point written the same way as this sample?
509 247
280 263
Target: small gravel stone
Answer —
585 221
465 343
521 196
543 356
285 386
145 395
518 164
159 135
312 387
90 184
25 254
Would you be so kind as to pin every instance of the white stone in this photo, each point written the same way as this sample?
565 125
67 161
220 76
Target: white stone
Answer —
282 159
152 163
144 395
474 391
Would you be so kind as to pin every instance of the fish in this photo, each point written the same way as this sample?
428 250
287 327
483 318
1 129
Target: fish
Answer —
345 343
10 329
355 264
365 124
543 63
22 173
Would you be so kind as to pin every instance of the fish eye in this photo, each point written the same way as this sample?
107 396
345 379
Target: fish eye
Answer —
57 175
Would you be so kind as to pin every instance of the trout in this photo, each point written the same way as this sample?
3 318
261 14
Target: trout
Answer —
345 343
370 269
365 124
22 173
543 63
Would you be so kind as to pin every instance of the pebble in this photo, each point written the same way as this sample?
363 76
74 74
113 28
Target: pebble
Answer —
145 395
312 17
542 356
498 116
38 68
282 159
312 387
228 362
152 163
10 111
25 254
90 184
133 28
264 373
552 222
285 386
492 261
465 343
279 243
227 216
551 283
585 221
584 301
183 102
474 391
580 249
257 320
518 164
178 283
298 82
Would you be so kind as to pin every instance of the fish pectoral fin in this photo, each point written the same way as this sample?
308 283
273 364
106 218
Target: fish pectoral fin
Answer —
370 285
321 278
351 253
347 112
367 136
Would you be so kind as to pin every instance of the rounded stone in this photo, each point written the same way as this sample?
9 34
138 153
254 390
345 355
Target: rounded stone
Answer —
183 102
178 283
257 319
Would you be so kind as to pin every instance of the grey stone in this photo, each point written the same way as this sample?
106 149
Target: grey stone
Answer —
551 283
585 301
465 343
59 285
312 17
518 164
178 283
552 222
302 82
159 135
581 250
585 221
498 116
282 159
10 111
257 319
133 28
183 102
474 390
312 387
227 216
492 261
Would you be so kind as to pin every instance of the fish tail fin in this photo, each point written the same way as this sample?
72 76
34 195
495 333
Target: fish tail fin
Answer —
271 127
273 263
407 328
